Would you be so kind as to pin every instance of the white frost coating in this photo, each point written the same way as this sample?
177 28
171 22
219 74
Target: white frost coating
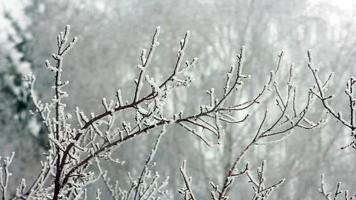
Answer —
154 85
75 154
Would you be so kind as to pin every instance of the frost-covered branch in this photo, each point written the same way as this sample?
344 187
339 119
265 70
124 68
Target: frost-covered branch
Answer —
262 191
78 147
149 114
146 186
277 128
258 184
5 175
320 89
338 194
187 191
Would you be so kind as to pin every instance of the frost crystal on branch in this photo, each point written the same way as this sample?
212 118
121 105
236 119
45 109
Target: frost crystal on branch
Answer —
5 174
320 89
78 147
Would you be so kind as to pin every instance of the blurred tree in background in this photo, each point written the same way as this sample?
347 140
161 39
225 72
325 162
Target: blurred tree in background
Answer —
20 131
111 35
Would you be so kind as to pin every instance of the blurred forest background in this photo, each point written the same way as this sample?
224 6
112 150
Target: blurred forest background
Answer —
111 35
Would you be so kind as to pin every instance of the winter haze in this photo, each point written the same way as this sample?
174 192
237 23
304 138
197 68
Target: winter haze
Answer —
199 99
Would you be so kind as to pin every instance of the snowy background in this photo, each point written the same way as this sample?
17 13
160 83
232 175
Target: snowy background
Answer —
111 35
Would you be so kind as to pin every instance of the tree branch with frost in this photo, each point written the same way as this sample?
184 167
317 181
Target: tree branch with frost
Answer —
258 184
149 114
5 175
146 186
320 89
76 149
187 191
262 191
60 116
337 194
144 190
56 122
145 61
280 126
